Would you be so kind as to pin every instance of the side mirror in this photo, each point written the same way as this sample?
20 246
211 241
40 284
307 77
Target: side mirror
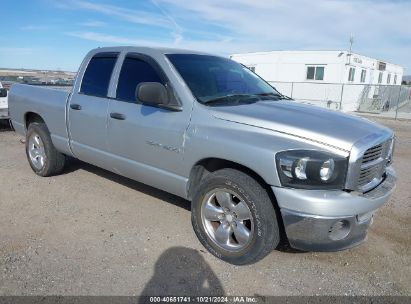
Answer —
153 93
3 92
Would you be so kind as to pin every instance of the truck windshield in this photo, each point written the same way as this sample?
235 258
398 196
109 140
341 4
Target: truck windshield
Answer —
216 79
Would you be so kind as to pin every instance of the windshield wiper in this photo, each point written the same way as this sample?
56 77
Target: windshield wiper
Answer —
278 95
226 98
237 98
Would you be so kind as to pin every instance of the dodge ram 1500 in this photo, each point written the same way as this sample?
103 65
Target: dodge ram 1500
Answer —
255 165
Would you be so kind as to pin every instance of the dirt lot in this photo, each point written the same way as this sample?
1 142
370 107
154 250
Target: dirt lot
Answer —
91 232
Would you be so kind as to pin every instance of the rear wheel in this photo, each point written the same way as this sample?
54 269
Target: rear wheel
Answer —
234 218
43 157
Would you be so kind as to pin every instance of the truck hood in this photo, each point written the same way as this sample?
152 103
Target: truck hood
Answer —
328 127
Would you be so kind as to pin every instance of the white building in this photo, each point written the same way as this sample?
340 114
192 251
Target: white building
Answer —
338 78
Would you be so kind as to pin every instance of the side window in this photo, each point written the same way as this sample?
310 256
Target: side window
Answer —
134 71
96 78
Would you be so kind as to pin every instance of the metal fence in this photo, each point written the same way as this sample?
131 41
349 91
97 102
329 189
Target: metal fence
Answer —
387 100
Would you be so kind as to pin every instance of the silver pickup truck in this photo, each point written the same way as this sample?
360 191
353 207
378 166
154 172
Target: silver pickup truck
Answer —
257 166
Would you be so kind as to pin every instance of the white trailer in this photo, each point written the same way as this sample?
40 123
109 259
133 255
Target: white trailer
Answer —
336 79
321 67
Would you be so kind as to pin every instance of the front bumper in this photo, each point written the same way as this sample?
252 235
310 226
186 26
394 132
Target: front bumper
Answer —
4 113
321 220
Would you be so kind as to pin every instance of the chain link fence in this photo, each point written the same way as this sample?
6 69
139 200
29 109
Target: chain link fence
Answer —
386 100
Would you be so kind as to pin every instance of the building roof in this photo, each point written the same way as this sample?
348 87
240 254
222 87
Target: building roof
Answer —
312 51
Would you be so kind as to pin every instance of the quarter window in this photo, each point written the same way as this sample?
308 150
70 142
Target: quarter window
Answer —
96 78
133 72
315 73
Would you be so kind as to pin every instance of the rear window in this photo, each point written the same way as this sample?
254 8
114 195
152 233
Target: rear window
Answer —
97 76
3 92
133 72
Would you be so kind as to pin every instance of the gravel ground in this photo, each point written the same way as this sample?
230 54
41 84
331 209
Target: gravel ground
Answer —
91 232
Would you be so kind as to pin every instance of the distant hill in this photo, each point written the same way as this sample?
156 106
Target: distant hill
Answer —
36 73
406 78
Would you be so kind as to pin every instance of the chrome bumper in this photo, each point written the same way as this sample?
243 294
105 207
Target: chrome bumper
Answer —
320 220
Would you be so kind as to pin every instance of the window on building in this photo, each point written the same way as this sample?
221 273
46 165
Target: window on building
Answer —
395 79
251 68
133 72
319 73
315 73
351 74
388 78
380 77
310 72
97 76
363 75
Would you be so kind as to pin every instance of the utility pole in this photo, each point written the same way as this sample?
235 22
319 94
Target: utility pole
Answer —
351 43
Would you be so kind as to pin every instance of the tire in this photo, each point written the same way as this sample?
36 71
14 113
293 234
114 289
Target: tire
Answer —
223 235
43 157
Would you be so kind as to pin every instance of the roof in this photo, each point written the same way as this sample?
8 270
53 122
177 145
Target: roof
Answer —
146 49
311 51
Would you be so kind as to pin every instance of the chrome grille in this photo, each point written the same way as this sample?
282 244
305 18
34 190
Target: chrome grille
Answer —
373 165
372 154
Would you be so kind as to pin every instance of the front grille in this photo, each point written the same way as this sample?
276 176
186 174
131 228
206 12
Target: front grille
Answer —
373 165
372 154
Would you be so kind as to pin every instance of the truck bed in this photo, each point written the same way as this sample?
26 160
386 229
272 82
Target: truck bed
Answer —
50 104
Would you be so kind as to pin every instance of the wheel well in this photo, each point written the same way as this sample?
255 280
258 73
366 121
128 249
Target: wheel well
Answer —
206 166
31 117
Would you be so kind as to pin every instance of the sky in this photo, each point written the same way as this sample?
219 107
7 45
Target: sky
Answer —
56 34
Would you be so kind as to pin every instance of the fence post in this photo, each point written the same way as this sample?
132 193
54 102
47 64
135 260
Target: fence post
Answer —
398 102
292 89
341 97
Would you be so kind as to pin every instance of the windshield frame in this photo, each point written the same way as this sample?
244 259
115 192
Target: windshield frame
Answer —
211 100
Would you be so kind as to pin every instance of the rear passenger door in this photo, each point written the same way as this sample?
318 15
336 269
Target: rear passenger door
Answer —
87 111
147 141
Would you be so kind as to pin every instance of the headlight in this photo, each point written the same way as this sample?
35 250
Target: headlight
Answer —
308 169
327 170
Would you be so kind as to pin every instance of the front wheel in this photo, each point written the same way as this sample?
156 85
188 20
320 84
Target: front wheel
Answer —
234 218
43 157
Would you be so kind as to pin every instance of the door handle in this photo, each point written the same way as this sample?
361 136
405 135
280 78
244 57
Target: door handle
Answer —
75 106
118 116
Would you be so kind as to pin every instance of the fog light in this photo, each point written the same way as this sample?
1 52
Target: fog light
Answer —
339 230
365 217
